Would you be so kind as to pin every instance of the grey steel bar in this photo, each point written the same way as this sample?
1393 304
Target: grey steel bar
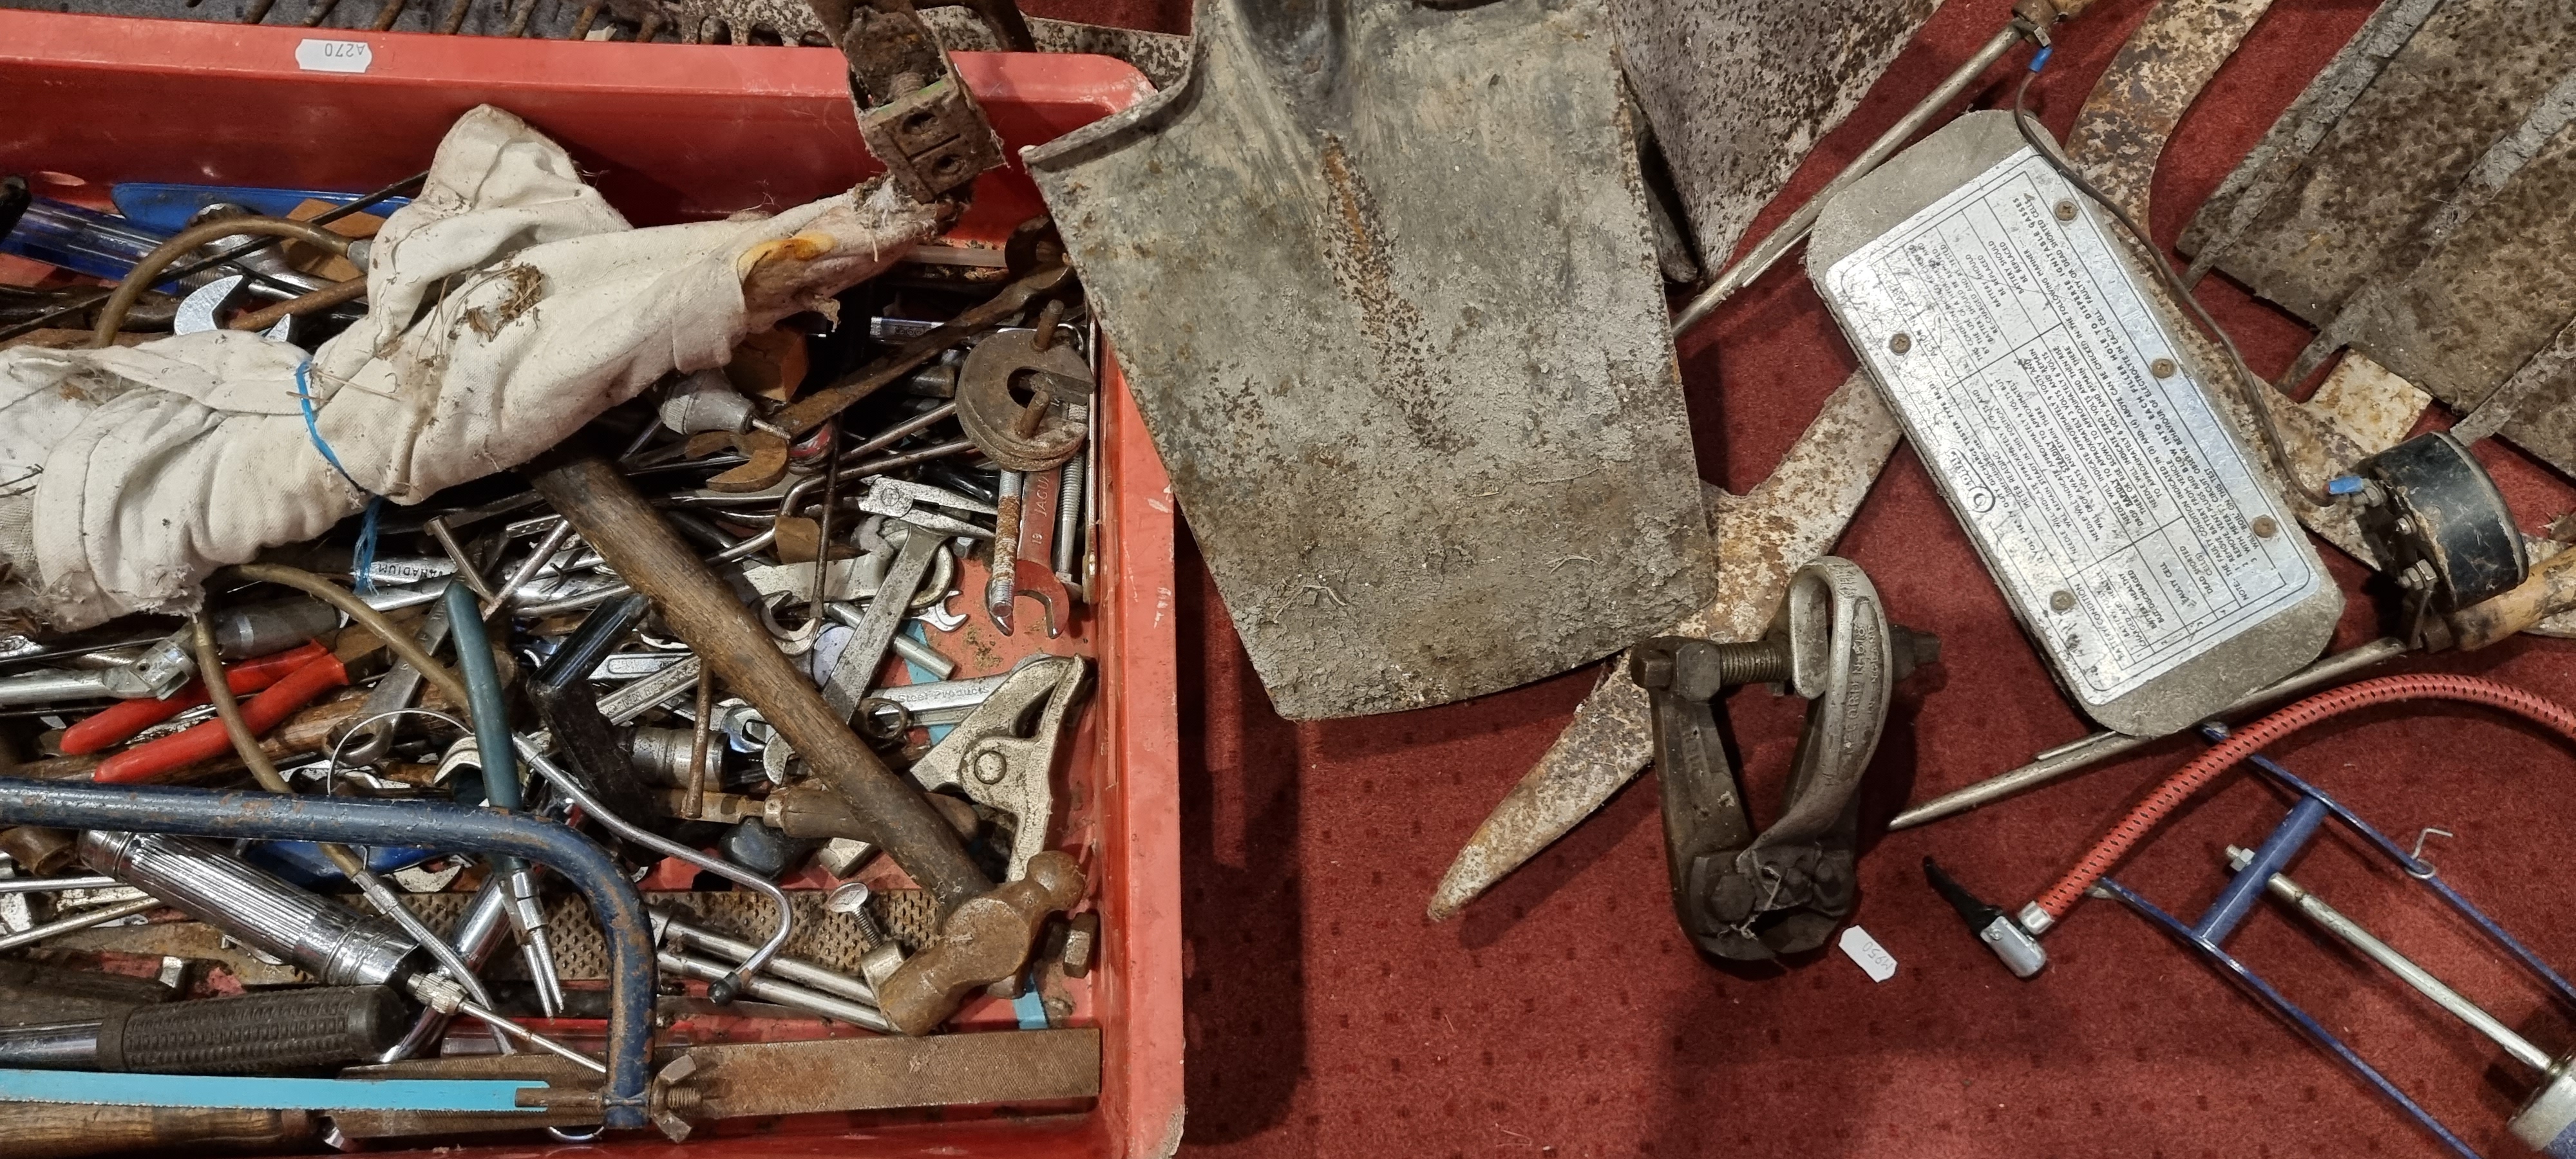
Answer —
2316 910
2103 746
1777 244
79 921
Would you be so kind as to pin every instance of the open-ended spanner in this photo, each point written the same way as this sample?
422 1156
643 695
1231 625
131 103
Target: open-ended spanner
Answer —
1752 896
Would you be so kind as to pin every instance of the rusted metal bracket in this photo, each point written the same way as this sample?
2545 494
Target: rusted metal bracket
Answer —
915 112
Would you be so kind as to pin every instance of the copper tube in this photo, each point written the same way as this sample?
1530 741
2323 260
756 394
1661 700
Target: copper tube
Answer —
210 671
322 299
694 802
112 315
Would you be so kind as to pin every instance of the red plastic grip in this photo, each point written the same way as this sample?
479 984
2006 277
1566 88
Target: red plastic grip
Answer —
116 723
263 712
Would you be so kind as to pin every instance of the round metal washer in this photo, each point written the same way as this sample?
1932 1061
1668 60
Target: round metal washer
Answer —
987 410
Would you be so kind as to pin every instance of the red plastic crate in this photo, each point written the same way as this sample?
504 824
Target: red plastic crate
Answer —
671 133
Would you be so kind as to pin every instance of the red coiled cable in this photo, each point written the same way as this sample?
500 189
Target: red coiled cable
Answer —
2246 741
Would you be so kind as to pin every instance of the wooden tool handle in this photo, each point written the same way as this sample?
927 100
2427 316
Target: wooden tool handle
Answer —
62 1130
618 523
2547 591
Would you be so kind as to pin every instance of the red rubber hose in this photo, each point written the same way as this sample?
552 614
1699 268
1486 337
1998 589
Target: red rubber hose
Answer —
2178 788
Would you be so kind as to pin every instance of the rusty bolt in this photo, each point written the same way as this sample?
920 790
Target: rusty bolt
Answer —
2062 600
1757 662
1901 343
2162 368
2266 527
2066 211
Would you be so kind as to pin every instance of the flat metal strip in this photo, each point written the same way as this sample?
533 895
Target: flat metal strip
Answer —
865 1074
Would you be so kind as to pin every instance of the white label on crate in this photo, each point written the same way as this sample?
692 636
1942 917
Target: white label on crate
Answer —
2110 503
333 55
1865 952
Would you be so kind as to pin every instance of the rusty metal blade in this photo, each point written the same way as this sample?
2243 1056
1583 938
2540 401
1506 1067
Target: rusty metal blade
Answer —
2150 84
2418 202
2254 186
1763 537
865 1074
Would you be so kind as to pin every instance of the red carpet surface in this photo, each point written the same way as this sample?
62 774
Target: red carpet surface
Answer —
1563 1014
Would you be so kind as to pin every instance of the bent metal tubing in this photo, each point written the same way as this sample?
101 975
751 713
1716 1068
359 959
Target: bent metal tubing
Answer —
438 824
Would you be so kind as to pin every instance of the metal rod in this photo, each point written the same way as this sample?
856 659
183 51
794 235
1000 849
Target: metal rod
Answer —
896 433
1068 519
381 896
536 562
478 933
504 1026
49 884
1777 244
781 993
440 824
702 727
823 526
79 921
2103 746
795 970
2314 908
456 553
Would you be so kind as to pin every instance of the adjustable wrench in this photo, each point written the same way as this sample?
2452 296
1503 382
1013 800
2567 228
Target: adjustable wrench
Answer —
997 766
1747 896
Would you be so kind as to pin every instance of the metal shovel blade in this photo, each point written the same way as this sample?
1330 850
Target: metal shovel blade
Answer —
1381 278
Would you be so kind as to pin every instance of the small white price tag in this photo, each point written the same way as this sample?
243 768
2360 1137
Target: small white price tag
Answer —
1865 952
333 55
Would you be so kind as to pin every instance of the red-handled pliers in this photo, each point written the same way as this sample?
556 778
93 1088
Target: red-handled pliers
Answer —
155 759
118 723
